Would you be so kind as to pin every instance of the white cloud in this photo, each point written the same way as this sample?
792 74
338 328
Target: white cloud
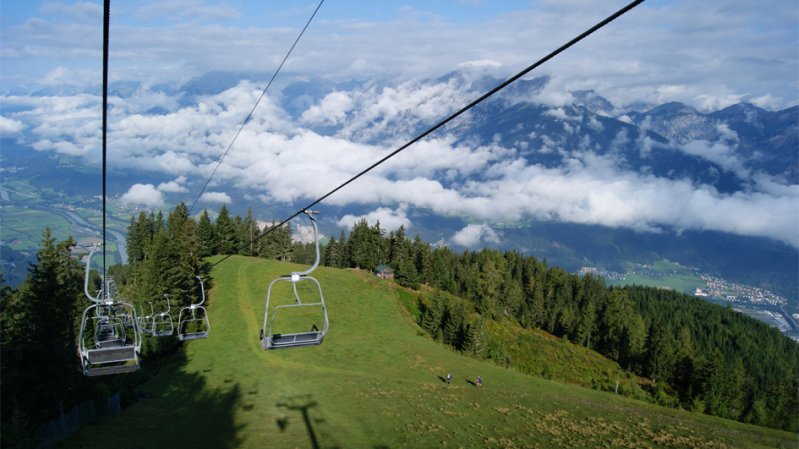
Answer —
482 63
10 127
59 75
175 186
475 234
332 110
717 152
390 219
277 160
143 195
216 197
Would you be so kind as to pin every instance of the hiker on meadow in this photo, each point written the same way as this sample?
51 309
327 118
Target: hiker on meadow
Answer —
479 381
449 378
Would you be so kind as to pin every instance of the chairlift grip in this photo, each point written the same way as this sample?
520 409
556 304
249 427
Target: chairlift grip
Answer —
316 241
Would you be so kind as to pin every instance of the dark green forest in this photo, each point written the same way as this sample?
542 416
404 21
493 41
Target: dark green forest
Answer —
691 354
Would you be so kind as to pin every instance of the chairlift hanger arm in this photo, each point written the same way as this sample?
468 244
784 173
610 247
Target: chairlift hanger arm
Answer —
202 291
297 275
88 275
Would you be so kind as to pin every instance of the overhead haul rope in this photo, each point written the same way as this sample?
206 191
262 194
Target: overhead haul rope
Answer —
451 117
106 26
249 116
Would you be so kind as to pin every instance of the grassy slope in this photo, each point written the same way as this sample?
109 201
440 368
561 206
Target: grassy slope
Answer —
374 383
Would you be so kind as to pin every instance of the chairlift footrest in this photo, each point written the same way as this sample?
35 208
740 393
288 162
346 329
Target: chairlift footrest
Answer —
193 336
107 370
111 355
292 340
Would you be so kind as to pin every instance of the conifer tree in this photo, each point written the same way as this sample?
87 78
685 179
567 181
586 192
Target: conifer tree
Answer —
225 232
38 363
422 260
207 235
331 253
475 339
248 231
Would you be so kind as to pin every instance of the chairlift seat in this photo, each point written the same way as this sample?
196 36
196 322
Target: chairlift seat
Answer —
114 343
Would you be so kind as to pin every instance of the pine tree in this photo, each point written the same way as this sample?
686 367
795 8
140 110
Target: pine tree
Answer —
248 232
283 243
207 235
422 259
225 232
363 248
453 325
475 339
39 331
658 359
432 314
343 254
331 253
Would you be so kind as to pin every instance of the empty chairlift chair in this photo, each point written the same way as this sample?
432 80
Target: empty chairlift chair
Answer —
146 323
109 341
162 322
193 321
297 322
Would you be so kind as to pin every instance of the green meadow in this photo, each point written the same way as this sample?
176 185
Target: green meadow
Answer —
662 274
375 382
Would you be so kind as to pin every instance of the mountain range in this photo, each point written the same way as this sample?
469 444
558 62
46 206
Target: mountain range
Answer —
567 141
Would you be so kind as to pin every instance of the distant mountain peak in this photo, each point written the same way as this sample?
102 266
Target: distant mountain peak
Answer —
592 101
672 108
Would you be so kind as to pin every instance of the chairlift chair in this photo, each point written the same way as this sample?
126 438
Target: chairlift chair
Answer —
193 321
109 331
162 322
270 339
109 341
146 322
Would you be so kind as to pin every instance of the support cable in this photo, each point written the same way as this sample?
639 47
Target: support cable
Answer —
249 116
451 117
106 26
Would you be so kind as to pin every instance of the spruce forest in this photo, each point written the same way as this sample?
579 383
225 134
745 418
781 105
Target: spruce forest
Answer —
684 352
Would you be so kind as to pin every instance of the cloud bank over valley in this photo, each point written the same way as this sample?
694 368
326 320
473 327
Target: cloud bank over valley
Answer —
289 156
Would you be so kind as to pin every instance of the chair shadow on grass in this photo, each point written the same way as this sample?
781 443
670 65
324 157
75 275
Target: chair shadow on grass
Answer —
303 404
198 414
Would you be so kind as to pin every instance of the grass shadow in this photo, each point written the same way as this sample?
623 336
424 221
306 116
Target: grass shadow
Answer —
177 409
302 404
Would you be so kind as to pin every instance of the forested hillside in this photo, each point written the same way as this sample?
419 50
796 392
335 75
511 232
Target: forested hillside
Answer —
691 354
697 356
